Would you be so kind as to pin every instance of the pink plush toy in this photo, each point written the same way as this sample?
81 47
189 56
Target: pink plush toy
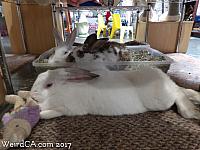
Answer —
19 123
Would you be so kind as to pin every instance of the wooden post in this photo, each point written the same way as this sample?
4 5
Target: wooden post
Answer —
13 27
38 27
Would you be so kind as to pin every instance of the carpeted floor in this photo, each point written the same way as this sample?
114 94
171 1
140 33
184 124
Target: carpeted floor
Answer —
15 62
152 130
185 71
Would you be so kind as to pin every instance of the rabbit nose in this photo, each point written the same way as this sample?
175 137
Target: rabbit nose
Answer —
33 95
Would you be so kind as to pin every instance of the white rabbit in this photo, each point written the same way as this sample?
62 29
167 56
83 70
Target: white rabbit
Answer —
63 49
93 50
79 92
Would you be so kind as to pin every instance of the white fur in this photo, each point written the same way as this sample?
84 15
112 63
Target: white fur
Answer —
60 55
63 49
113 93
89 58
90 63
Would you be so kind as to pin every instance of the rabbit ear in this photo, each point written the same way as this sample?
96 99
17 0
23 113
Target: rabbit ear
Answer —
91 39
78 75
74 77
91 43
76 70
70 40
58 37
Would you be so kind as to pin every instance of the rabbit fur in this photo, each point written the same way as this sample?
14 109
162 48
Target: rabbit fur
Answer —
93 50
63 49
80 92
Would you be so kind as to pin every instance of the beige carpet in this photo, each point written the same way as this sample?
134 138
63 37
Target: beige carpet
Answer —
152 130
185 71
16 61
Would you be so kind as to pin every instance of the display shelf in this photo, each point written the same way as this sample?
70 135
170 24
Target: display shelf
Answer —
101 8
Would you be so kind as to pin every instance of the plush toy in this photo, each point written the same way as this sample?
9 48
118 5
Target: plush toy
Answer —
20 121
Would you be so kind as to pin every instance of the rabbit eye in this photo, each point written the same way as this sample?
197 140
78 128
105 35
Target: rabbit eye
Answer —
65 52
96 56
80 54
49 85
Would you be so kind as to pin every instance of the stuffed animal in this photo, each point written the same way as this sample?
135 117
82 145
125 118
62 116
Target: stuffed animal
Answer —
20 121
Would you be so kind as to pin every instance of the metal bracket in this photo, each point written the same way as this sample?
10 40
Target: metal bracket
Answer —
53 7
21 25
137 22
180 27
5 71
147 23
62 20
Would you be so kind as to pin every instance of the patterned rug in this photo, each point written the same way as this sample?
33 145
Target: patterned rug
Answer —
152 130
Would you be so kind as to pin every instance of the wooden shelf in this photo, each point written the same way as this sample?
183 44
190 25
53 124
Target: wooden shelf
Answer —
163 35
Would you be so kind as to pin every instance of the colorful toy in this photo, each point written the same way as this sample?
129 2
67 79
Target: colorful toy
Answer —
20 121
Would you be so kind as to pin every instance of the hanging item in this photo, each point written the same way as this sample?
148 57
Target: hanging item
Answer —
82 26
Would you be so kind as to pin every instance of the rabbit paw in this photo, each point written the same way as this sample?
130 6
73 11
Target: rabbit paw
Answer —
48 114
